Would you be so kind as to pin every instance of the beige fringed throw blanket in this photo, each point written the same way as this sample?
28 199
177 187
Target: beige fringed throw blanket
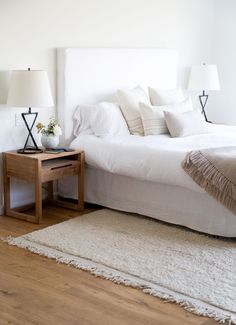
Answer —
215 171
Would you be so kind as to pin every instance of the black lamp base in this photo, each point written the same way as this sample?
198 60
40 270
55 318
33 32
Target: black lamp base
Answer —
203 101
28 149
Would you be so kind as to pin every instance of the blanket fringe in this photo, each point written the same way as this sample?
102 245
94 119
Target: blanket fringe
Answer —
206 175
190 304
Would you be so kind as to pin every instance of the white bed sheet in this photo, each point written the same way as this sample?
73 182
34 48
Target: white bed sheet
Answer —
151 158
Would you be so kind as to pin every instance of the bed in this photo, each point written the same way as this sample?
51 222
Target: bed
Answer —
119 171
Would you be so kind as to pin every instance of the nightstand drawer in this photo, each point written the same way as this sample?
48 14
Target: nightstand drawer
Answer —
52 170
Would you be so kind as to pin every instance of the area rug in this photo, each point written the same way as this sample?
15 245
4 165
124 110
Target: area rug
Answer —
194 270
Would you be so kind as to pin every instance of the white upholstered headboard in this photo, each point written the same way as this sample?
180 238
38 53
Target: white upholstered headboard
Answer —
91 75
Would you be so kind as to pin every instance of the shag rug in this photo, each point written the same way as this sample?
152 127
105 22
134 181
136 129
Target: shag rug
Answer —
194 270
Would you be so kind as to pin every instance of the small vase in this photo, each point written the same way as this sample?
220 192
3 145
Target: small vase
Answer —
50 141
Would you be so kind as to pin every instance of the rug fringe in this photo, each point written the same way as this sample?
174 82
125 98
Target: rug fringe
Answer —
190 304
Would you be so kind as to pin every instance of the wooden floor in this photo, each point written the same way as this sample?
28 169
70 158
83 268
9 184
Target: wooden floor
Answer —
37 290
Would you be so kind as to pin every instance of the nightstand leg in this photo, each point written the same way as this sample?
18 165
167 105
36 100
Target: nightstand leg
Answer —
38 202
38 193
81 183
6 187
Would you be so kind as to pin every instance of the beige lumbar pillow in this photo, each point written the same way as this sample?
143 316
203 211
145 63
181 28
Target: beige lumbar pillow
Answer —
185 124
129 103
153 120
153 116
165 97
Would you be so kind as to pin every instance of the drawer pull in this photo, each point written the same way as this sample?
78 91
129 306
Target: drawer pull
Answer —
58 167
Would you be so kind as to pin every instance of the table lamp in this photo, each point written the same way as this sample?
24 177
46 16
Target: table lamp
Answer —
204 77
29 88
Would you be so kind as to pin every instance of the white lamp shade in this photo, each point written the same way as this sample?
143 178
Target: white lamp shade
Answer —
29 88
204 77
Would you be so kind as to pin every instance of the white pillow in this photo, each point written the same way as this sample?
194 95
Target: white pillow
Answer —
107 120
129 103
153 120
82 118
185 124
153 117
165 97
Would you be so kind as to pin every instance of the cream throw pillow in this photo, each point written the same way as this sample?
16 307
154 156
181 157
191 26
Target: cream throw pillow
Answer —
153 116
153 120
165 97
185 124
129 103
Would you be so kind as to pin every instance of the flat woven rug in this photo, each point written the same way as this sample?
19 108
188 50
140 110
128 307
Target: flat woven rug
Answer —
194 270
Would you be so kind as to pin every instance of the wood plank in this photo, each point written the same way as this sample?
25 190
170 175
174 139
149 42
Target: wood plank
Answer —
45 156
37 290
20 167
62 203
20 215
58 170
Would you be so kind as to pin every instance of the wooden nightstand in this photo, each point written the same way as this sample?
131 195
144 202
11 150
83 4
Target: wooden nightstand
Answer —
42 168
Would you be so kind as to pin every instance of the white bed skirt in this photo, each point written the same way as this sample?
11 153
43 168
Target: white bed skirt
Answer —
174 204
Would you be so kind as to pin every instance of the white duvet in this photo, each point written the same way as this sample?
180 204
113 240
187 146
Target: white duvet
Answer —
151 158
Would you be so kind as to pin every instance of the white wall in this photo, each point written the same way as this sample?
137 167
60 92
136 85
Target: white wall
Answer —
222 107
31 30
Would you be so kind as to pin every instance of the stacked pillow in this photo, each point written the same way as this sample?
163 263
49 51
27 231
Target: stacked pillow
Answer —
167 111
172 114
153 116
129 100
152 119
81 117
165 97
144 114
107 120
103 120
185 124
